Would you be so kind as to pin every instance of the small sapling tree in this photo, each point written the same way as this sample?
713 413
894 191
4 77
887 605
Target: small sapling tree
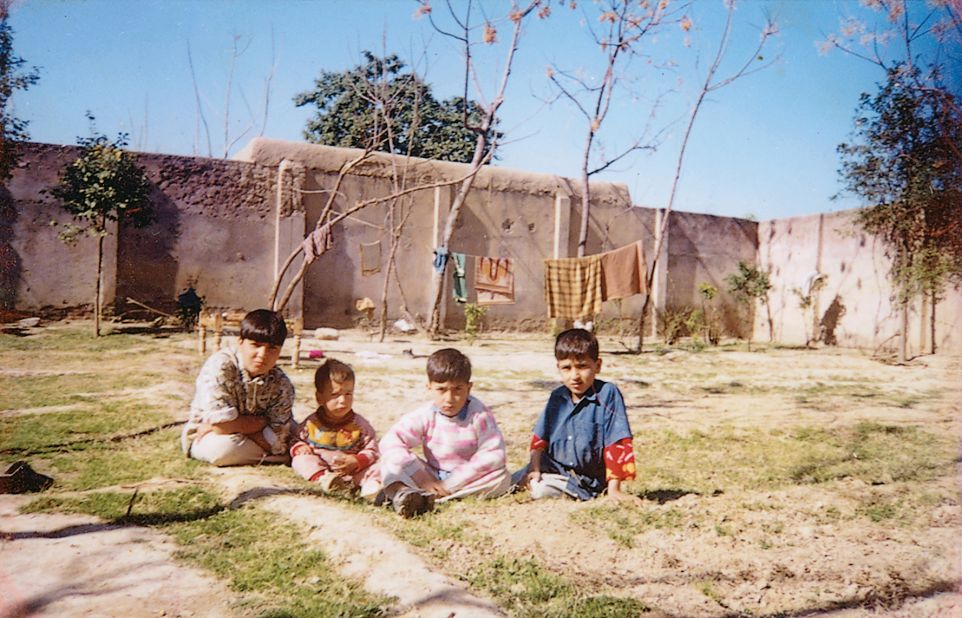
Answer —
749 285
103 184
708 292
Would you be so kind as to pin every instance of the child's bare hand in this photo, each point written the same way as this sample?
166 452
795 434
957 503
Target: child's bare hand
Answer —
437 488
202 430
533 475
344 464
259 440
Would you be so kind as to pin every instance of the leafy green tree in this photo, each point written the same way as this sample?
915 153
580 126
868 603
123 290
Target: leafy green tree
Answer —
749 285
103 184
903 162
13 77
421 126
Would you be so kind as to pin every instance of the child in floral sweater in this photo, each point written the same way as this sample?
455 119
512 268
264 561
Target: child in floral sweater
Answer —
335 446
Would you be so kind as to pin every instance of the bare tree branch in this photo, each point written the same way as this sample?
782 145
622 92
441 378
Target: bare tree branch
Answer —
199 108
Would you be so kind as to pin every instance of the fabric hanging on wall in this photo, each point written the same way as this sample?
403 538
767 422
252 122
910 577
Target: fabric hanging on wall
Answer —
572 287
370 258
460 287
494 280
318 242
440 259
623 272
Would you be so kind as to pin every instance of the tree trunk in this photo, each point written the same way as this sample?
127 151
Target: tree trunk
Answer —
100 267
904 334
434 328
933 300
585 199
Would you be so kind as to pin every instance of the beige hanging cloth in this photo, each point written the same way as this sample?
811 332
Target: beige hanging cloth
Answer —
623 272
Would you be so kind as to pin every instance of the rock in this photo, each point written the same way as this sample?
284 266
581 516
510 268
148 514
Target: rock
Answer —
326 334
404 326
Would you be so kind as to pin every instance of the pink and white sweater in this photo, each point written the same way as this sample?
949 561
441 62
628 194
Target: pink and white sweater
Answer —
468 449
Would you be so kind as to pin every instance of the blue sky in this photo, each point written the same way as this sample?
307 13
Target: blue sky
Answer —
763 146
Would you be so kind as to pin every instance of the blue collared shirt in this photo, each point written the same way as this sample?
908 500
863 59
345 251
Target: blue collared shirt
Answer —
578 433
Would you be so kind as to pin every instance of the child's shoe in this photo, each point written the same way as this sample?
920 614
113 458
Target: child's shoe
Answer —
409 502
332 483
21 478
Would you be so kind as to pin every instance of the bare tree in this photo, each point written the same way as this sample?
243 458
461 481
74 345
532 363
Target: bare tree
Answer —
624 27
712 83
230 138
485 143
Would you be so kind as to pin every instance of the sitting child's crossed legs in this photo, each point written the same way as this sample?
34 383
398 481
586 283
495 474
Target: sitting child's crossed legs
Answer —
490 486
231 449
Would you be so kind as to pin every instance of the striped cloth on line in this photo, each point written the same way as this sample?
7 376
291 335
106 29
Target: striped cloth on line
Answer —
573 287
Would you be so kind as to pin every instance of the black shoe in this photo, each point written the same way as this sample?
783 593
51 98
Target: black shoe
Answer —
410 502
20 478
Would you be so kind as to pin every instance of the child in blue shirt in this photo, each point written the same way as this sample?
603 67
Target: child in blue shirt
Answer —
581 445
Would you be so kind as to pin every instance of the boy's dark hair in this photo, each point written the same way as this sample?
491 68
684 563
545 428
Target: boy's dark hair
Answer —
575 343
264 326
448 365
332 370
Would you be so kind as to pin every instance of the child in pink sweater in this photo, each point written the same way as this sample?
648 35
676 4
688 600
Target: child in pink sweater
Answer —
336 447
462 445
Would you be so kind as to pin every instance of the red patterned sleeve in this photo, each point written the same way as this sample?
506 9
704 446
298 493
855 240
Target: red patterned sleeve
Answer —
537 444
620 460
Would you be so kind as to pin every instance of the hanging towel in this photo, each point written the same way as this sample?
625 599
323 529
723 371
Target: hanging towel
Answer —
623 272
370 258
317 243
460 287
572 287
494 280
440 259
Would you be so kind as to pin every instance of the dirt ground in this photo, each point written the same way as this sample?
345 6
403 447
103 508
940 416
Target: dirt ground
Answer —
793 551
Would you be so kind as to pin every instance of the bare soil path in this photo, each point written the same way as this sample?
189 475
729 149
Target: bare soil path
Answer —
73 565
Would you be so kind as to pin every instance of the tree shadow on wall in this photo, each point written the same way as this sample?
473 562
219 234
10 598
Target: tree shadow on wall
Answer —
830 320
11 266
146 266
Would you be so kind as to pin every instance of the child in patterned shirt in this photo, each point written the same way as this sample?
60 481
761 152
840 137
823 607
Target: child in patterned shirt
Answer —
335 446
241 411
462 445
581 445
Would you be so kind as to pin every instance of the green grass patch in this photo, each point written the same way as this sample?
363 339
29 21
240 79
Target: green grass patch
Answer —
156 455
755 459
38 391
872 452
524 588
61 337
146 509
74 430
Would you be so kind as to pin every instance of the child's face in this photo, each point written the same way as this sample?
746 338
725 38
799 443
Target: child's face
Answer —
578 374
449 397
337 398
258 358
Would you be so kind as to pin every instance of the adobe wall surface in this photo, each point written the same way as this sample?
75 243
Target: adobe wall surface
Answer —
214 230
854 308
226 227
707 249
508 214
